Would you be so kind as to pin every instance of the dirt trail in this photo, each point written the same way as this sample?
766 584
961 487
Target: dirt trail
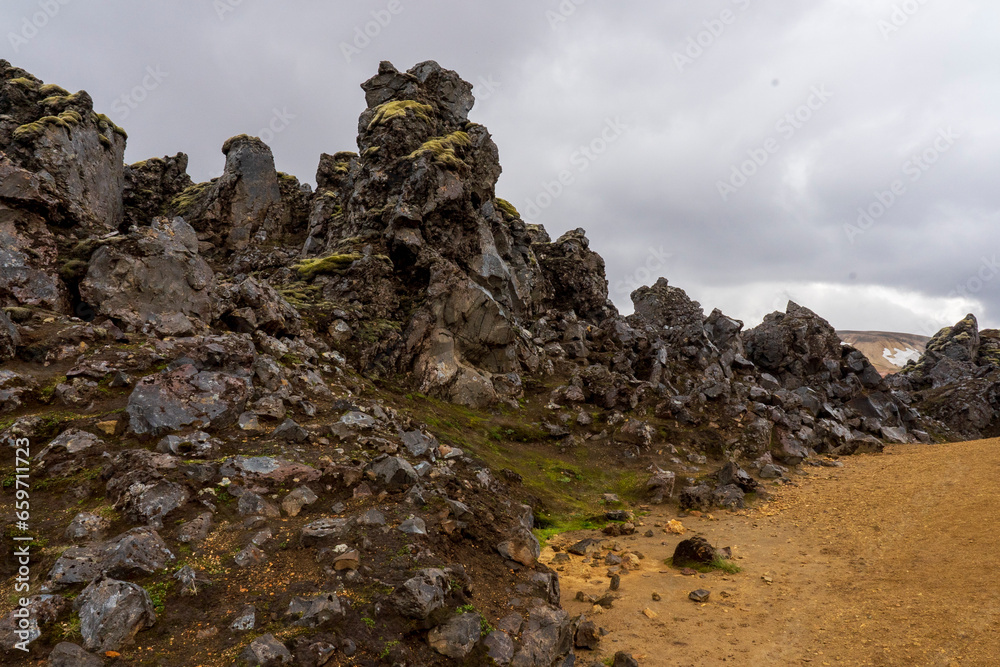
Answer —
890 560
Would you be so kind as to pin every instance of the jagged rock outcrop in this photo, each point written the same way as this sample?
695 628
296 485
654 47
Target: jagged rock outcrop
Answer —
260 374
417 208
957 379
150 185
243 207
76 152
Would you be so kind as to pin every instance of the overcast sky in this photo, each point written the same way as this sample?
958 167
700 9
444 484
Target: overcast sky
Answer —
731 145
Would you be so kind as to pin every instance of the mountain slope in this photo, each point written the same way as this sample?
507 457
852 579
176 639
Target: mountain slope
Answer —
888 351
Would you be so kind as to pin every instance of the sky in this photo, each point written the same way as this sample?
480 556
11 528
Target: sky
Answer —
843 154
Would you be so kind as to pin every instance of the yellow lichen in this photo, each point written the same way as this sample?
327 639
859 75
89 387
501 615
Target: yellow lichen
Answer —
443 149
386 112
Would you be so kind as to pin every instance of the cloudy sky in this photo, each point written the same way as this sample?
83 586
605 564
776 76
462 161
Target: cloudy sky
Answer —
843 153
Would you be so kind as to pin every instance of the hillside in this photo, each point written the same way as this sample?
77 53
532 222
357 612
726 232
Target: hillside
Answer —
888 351
261 424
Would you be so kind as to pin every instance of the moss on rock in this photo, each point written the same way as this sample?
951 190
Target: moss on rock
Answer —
332 264
31 131
398 109
443 149
508 209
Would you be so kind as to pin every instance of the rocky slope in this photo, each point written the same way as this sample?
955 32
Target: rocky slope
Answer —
272 425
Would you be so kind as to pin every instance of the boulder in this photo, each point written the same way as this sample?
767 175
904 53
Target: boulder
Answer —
266 651
395 474
137 551
186 397
154 279
547 637
86 527
457 636
422 595
694 550
112 612
730 473
66 654
43 610
252 305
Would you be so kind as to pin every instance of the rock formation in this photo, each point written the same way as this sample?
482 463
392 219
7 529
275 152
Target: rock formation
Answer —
198 358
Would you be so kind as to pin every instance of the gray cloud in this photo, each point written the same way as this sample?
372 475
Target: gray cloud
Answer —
550 84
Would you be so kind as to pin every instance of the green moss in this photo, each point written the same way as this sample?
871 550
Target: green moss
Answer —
31 131
73 270
104 141
24 82
58 102
53 89
443 149
332 264
71 117
508 209
375 330
386 112
104 124
370 151
186 199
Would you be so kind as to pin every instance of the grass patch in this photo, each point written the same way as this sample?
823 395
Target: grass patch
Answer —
547 527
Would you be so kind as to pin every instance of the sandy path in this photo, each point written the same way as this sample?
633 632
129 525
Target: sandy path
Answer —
890 560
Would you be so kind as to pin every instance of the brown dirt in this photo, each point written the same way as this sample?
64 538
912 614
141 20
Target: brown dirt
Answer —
889 560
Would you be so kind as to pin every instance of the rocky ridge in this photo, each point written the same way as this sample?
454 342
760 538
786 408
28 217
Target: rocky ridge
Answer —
312 422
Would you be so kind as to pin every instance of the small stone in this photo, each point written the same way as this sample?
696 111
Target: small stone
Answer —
616 582
347 561
700 595
413 526
108 427
649 613
656 597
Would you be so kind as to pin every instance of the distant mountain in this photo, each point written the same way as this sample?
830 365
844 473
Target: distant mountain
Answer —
888 351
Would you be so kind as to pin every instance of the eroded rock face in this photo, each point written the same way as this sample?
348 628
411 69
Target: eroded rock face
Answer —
576 275
150 185
29 264
76 152
9 338
242 206
153 279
